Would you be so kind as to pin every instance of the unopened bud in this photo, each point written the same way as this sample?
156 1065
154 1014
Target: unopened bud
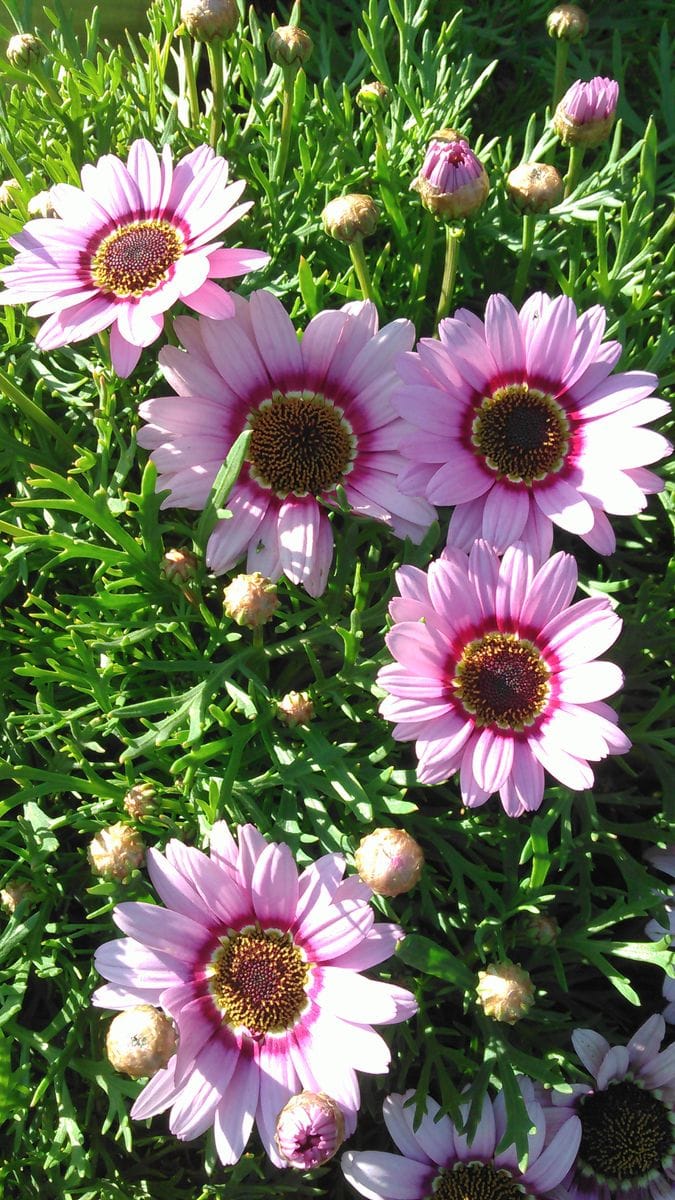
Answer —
25 50
139 800
350 217
567 22
179 566
116 851
209 19
12 894
541 929
251 600
585 115
534 187
41 205
140 1041
7 187
389 861
505 992
289 46
373 96
310 1129
295 708
452 182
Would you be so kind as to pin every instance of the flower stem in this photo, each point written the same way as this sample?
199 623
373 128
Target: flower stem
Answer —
574 170
525 258
452 239
420 280
286 124
215 53
363 274
190 79
561 52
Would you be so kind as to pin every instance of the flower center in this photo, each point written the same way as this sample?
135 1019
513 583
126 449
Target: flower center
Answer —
502 680
522 434
476 1181
300 443
628 1134
259 981
134 259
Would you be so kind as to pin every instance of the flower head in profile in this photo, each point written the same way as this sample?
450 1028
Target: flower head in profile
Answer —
260 969
627 1117
320 418
664 860
585 115
520 425
436 1159
135 239
495 674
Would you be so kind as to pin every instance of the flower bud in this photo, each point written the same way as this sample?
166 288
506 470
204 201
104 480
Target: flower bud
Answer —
310 1129
295 708
25 50
534 187
116 851
373 96
179 566
209 19
251 599
505 992
41 205
6 188
585 115
567 22
389 861
350 217
139 800
289 46
140 1041
541 929
452 182
12 894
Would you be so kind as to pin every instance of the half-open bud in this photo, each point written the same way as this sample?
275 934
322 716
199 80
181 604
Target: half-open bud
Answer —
585 115
289 46
567 22
209 19
534 187
452 182
310 1128
251 599
140 1041
389 861
116 851
349 217
295 708
179 566
505 992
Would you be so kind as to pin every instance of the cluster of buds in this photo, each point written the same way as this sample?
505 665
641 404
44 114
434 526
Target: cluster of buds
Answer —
295 708
452 182
585 115
534 188
25 50
389 861
505 992
139 800
140 1041
350 217
116 851
209 19
250 600
289 46
567 23
310 1129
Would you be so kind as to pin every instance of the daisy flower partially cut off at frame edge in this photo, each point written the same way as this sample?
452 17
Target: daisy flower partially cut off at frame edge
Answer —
521 426
436 1161
260 968
129 244
320 418
495 675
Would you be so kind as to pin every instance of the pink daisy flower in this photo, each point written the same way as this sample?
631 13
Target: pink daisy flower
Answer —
518 424
320 417
627 1118
495 675
126 247
260 970
664 860
437 1161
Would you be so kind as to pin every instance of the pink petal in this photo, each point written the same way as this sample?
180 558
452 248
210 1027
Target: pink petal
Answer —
274 887
156 1095
161 930
589 681
353 997
124 355
235 1114
305 543
276 339
230 538
564 506
228 262
211 301
380 1176
504 337
459 481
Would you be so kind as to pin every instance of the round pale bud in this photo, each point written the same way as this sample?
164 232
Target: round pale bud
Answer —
289 46
209 19
567 22
505 992
389 861
12 894
310 1129
373 96
295 708
139 800
116 851
25 50
179 566
452 182
41 205
251 600
350 217
534 187
7 187
541 929
585 115
140 1041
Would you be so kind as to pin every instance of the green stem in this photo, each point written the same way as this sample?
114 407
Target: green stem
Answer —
361 267
574 170
525 258
452 239
286 123
420 283
215 53
48 86
32 411
561 52
190 79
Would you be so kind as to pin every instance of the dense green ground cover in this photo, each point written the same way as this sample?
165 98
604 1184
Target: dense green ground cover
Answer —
112 676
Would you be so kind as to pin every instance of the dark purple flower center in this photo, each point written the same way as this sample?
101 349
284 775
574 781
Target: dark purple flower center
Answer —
627 1134
300 444
476 1181
135 258
521 433
502 680
259 981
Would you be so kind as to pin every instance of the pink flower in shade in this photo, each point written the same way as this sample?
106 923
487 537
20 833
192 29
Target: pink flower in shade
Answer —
664 860
627 1118
519 424
495 675
260 970
126 247
437 1161
320 417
